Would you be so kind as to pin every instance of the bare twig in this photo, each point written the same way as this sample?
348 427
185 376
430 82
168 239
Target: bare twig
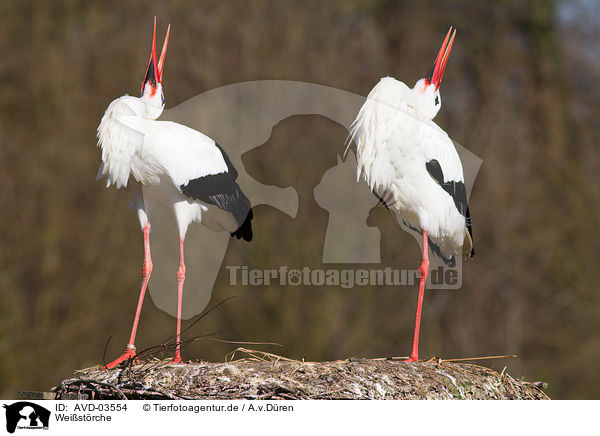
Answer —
104 352
255 355
478 358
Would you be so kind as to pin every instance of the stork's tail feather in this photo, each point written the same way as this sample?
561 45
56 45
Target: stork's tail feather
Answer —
245 230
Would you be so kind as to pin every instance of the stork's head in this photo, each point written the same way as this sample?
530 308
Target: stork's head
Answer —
426 91
152 93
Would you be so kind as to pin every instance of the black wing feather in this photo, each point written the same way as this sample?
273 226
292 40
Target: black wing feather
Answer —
230 168
381 200
456 190
222 191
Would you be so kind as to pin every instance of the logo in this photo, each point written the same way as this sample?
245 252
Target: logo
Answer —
26 415
262 115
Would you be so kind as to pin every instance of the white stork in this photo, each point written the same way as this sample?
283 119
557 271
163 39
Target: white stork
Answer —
413 168
172 164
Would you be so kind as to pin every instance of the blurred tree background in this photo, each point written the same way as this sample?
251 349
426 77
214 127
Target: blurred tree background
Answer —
520 92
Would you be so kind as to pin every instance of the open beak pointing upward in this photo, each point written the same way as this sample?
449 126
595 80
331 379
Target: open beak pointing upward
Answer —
155 66
437 71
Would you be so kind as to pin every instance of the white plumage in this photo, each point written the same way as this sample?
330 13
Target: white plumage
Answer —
166 162
411 165
147 149
162 156
394 142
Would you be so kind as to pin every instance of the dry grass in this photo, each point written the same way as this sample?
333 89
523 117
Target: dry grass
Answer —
256 374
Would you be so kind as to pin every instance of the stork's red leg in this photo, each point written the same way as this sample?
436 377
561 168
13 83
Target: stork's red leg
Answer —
424 270
146 271
180 280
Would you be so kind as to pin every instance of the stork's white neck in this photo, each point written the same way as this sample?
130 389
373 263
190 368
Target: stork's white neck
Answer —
153 100
425 99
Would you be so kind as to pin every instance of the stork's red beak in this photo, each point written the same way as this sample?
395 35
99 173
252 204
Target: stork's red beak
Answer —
437 71
155 66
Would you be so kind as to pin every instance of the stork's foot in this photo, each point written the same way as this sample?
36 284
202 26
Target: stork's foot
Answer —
412 359
127 355
177 358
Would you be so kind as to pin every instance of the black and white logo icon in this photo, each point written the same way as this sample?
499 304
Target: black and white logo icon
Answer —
26 415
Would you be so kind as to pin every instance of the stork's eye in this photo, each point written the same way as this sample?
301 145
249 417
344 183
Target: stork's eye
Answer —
437 100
